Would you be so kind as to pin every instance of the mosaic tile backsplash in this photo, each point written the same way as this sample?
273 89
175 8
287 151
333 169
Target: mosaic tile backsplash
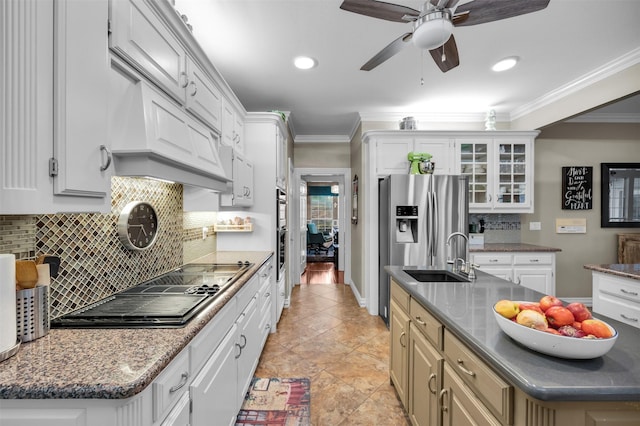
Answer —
94 264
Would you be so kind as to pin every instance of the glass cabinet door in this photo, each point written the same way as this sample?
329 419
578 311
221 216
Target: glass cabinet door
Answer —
512 185
474 163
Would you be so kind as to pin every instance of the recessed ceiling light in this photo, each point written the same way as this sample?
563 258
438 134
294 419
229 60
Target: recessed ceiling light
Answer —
505 64
304 62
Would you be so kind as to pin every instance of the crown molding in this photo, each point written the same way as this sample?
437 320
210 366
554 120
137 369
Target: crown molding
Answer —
617 65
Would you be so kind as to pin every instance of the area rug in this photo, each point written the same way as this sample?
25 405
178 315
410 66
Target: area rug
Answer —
276 402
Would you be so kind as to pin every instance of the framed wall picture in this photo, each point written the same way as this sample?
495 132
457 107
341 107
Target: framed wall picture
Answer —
577 188
354 201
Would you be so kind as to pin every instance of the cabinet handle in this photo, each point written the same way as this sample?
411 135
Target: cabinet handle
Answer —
185 80
267 295
493 260
245 341
464 369
629 293
401 336
183 381
489 197
534 260
419 321
431 378
517 281
629 318
106 165
195 88
240 352
443 407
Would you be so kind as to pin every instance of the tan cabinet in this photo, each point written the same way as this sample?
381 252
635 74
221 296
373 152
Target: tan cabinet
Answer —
398 368
425 382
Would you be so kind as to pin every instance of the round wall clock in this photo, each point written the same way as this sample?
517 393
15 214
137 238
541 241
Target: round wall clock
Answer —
138 225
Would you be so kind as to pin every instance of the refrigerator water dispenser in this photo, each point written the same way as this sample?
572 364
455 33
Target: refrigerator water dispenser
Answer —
406 224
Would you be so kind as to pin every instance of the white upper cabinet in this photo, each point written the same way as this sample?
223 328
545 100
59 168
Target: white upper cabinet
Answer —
203 98
232 127
500 170
53 136
392 149
140 37
240 170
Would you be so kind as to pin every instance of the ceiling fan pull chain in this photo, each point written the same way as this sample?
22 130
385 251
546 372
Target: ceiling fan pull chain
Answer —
422 67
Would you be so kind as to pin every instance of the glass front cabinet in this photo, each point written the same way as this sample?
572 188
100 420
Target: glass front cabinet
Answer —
500 172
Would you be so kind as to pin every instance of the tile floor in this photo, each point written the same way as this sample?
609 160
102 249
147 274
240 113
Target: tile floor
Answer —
327 337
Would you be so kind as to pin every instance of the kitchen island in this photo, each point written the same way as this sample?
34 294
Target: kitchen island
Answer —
503 380
111 370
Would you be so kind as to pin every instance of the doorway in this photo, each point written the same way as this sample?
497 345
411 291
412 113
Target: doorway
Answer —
325 206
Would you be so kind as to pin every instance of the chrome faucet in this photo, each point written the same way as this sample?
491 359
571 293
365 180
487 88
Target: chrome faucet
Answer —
465 262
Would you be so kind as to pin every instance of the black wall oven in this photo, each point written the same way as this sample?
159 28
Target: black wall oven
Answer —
281 232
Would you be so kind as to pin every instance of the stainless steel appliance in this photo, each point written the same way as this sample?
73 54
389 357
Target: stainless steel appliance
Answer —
281 232
416 214
169 300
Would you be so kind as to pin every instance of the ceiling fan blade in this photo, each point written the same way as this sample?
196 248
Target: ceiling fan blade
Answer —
448 52
446 4
381 10
394 47
482 11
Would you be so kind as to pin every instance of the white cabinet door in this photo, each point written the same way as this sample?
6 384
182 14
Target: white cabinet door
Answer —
513 172
203 99
538 279
179 414
214 391
232 127
141 38
240 170
440 150
474 159
248 341
281 159
391 155
81 100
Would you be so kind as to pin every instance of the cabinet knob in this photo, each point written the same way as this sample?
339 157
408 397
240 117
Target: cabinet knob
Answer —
195 88
184 80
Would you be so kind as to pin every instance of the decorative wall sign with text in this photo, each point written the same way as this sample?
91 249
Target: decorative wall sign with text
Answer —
577 188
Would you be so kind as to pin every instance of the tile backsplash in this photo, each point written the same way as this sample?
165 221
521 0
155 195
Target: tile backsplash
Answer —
94 264
498 228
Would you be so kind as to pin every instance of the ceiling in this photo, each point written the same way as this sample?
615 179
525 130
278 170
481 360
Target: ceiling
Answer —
253 43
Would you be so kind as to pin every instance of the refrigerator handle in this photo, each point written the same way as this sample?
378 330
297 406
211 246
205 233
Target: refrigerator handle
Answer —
435 224
429 224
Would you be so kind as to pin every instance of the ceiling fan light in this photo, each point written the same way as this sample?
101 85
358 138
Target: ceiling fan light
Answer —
505 64
432 30
304 62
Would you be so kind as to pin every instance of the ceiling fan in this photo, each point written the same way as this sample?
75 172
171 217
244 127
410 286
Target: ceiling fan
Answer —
433 26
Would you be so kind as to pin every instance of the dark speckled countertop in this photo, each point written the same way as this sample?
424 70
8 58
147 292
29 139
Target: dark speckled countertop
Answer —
625 270
108 363
466 310
508 247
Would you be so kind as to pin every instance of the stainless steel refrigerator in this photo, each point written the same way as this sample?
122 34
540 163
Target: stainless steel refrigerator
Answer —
416 215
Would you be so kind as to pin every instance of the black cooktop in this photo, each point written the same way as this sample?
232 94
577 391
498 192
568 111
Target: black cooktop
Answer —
169 300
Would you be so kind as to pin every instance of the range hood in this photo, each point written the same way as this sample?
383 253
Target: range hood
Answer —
152 136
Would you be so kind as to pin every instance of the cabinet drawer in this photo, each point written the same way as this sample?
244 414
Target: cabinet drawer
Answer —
487 385
399 295
533 259
426 323
247 292
619 309
170 385
620 287
492 259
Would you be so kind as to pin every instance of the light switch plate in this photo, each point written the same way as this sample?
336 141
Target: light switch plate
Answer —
535 226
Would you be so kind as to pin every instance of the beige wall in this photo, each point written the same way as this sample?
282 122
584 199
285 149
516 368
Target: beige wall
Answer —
321 155
577 144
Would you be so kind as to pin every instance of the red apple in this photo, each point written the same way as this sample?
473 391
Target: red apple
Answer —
548 301
579 311
559 316
571 331
530 305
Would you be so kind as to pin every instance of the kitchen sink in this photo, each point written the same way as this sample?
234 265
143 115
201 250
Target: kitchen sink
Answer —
432 275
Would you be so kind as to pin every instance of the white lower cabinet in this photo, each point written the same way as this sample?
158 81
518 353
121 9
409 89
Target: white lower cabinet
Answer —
534 270
617 297
204 384
214 390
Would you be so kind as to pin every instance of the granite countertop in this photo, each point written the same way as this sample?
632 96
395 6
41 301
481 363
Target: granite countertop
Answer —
508 247
466 310
108 363
625 270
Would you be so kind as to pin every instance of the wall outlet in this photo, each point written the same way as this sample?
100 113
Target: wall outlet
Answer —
535 226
